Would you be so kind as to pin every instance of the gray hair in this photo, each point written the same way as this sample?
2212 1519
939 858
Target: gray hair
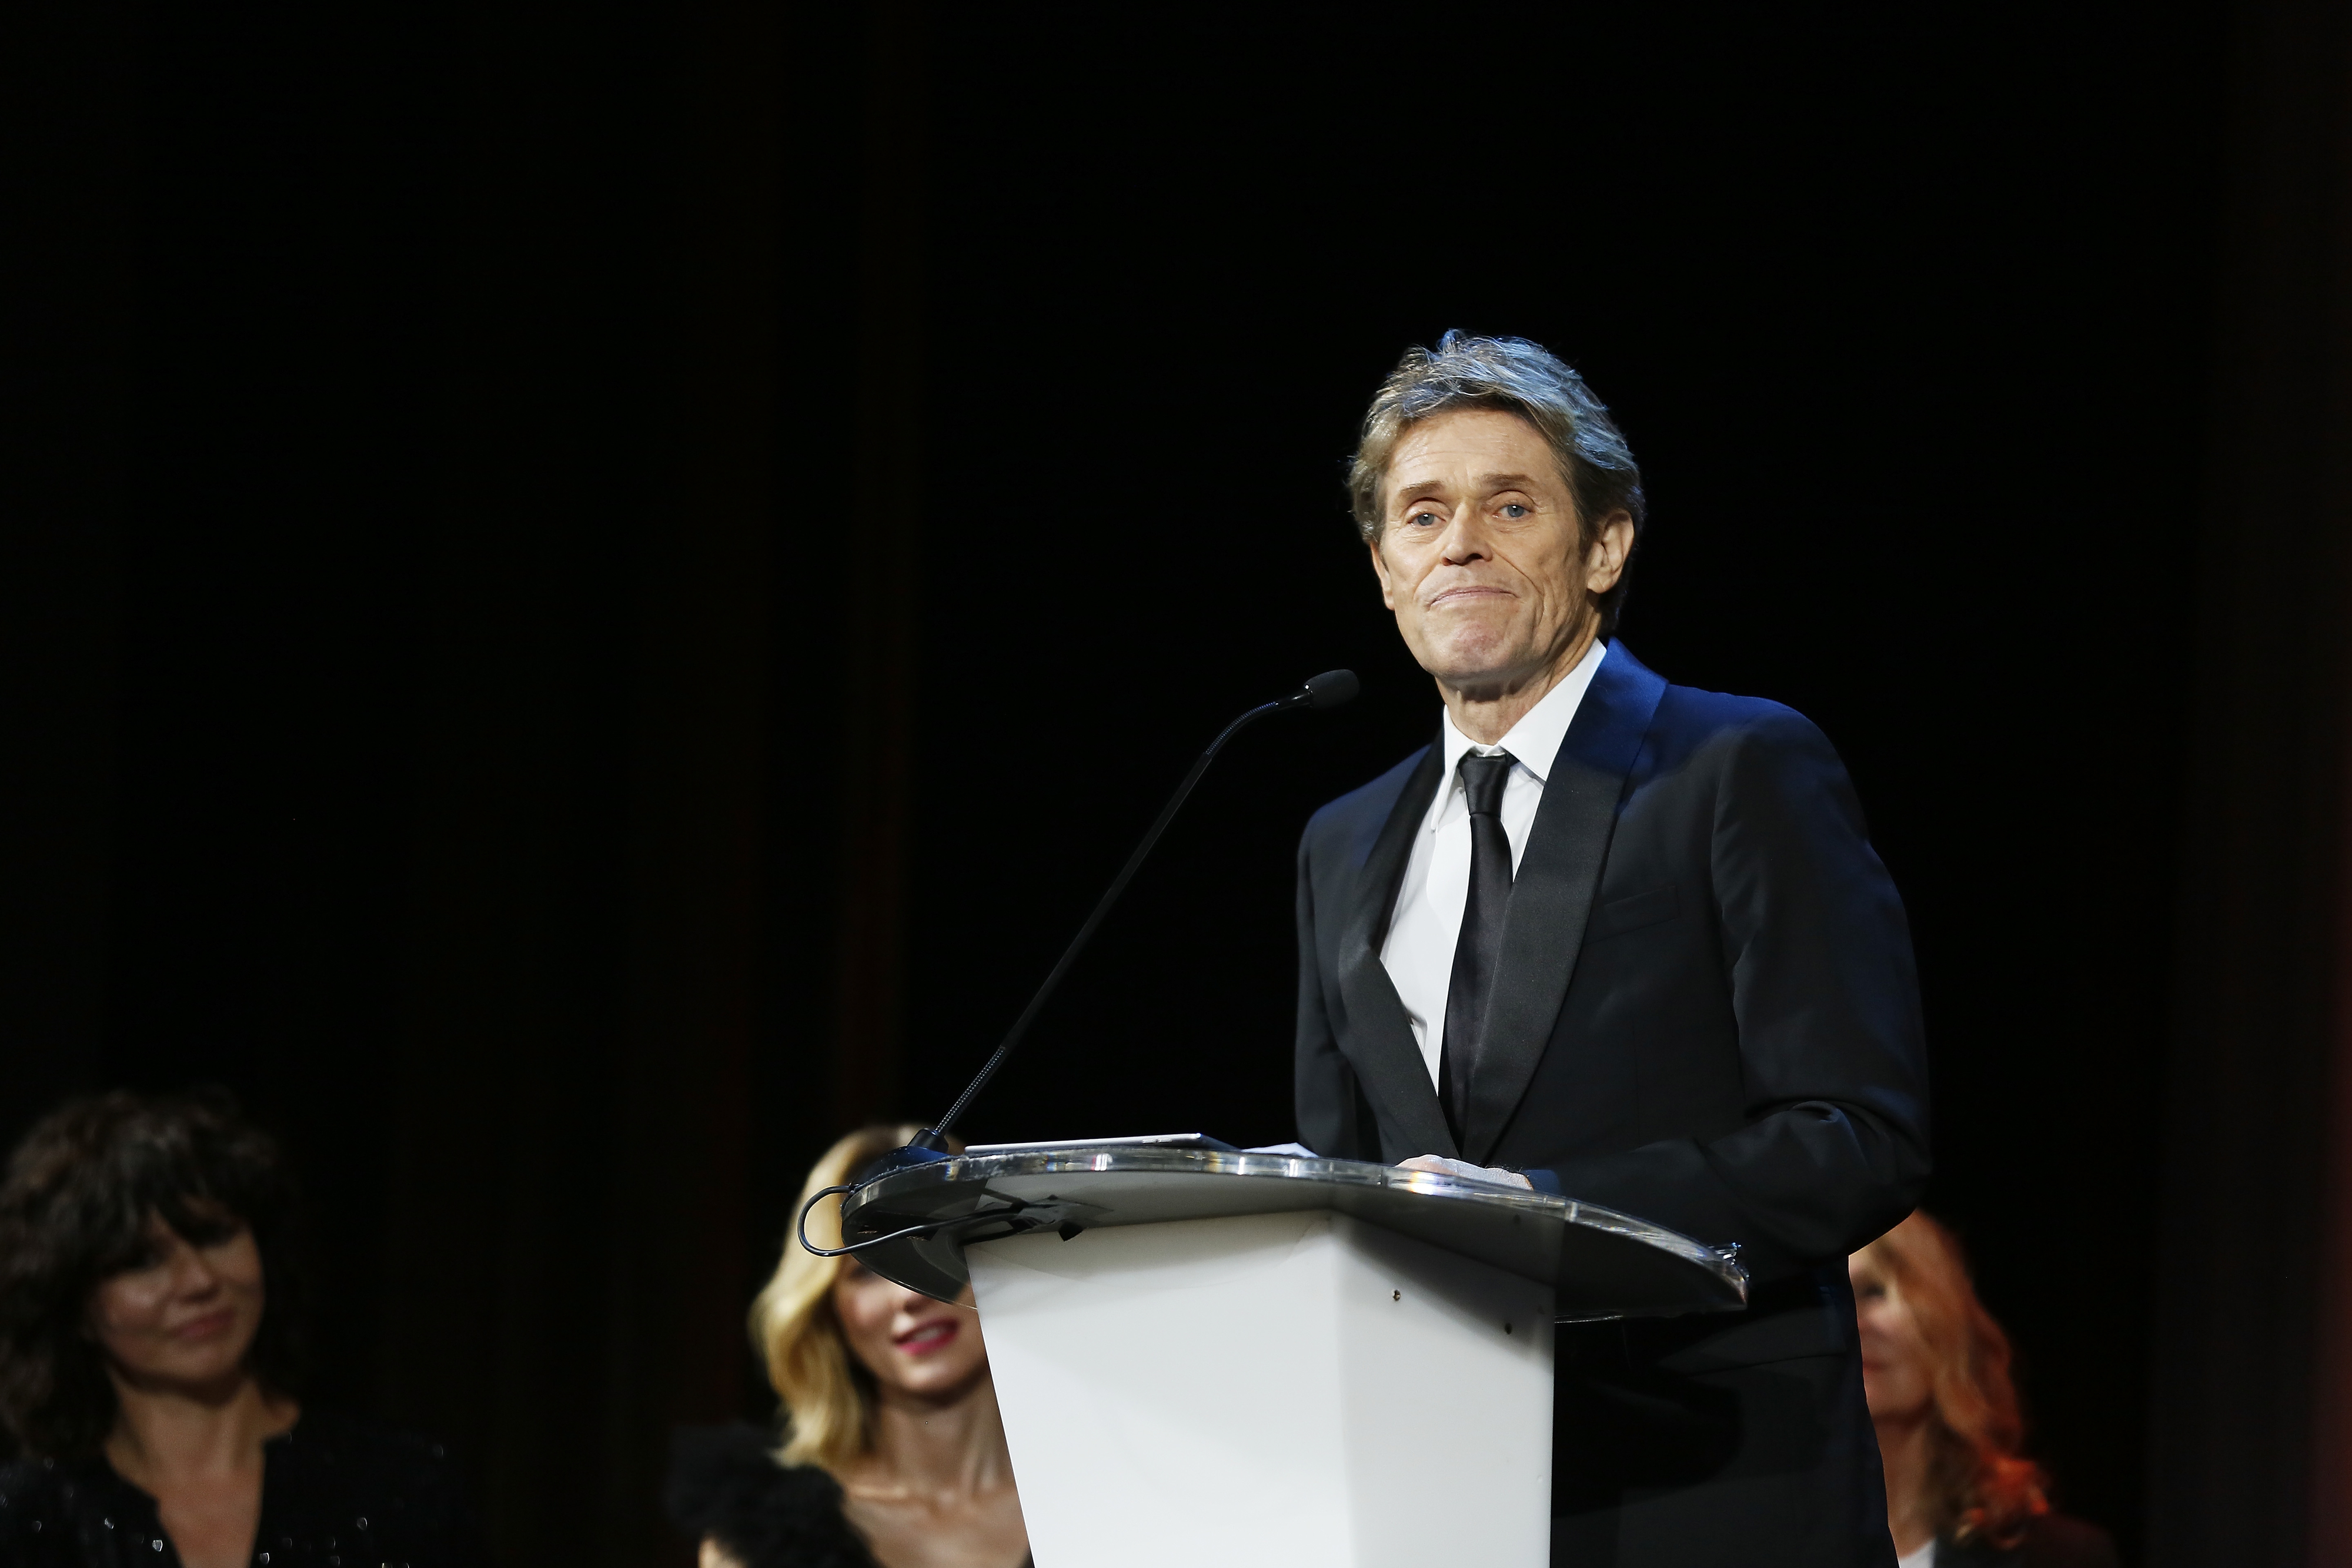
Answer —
1517 377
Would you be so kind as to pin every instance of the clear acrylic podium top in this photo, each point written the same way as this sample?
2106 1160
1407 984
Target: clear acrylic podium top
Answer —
1600 1263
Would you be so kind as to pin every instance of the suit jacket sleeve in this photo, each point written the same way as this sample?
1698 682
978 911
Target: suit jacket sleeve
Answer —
1332 1120
1834 1148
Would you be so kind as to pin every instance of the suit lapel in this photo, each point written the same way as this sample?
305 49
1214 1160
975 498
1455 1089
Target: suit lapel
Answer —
1543 928
1379 1037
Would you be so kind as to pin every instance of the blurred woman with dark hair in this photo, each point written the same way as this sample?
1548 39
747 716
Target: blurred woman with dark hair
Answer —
893 1450
149 1339
1935 1367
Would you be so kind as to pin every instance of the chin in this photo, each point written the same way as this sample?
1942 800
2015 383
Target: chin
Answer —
1487 680
935 1379
208 1375
1471 659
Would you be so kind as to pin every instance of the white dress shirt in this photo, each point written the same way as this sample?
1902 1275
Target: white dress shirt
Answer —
1418 952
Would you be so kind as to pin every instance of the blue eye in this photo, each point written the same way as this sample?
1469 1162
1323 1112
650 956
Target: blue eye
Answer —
1513 509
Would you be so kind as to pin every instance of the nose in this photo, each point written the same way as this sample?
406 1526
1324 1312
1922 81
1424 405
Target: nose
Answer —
196 1275
1464 540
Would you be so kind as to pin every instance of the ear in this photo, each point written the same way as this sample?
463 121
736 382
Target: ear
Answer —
1381 570
1605 563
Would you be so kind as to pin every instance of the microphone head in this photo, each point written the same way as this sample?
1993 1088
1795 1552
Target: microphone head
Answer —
1332 687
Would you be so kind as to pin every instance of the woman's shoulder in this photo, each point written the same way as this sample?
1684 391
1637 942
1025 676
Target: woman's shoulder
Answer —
2060 1541
33 1521
29 1484
49 1509
2052 1540
725 1484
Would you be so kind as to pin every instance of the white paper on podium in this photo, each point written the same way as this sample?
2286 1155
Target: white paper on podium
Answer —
1294 1388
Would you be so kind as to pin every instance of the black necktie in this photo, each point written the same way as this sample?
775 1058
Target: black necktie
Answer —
1481 942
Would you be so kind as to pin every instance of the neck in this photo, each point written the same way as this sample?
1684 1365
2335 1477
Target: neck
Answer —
951 1447
1486 711
162 1434
1907 1451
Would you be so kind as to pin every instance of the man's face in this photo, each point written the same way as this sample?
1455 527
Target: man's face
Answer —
1479 553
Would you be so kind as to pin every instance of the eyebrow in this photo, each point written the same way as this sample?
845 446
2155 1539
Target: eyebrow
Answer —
1485 482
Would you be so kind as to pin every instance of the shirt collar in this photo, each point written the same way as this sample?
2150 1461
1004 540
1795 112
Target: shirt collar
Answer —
1534 741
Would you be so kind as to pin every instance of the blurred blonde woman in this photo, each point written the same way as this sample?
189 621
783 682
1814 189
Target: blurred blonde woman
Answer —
1935 1367
893 1453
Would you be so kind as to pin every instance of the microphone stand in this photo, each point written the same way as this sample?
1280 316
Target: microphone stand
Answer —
1327 690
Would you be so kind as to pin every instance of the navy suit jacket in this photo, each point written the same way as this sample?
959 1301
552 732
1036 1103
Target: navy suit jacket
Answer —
1705 1014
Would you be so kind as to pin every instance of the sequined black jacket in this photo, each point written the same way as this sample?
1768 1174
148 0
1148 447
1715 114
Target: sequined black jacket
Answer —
335 1493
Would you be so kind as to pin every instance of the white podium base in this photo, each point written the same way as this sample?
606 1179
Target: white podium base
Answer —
1295 1388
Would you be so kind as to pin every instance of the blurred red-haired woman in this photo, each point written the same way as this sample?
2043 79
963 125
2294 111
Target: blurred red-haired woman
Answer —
1935 1367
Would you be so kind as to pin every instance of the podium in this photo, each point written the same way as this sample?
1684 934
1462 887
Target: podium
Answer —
1204 1354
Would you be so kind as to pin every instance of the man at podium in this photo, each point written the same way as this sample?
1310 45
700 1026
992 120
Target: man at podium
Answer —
1626 941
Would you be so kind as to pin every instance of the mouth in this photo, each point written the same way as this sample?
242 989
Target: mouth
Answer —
925 1339
212 1325
1467 595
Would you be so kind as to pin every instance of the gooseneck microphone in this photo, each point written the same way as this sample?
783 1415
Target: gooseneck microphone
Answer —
1328 690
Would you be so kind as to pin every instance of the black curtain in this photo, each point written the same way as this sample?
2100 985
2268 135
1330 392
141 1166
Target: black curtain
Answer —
2248 1462
393 736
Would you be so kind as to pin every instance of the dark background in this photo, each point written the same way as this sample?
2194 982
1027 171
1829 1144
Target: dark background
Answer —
593 590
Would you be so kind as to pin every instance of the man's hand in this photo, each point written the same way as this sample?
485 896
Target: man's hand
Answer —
1438 1164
